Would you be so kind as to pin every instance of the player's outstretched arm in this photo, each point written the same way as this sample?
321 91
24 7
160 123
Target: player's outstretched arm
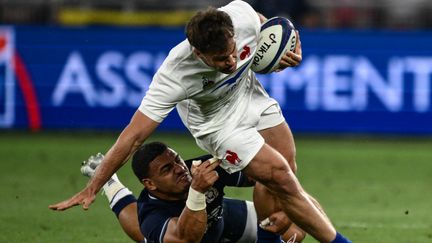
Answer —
139 128
190 226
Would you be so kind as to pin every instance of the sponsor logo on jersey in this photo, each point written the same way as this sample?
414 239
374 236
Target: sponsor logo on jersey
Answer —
232 157
245 53
206 82
211 194
233 80
214 216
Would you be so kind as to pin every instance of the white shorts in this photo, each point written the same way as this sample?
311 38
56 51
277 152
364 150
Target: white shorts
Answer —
236 146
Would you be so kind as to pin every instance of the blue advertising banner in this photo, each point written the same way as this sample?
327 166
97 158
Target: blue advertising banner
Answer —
95 78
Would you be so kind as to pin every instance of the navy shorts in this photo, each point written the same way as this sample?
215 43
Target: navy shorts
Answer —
239 221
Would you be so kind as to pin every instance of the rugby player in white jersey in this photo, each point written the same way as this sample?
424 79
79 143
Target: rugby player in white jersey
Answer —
208 78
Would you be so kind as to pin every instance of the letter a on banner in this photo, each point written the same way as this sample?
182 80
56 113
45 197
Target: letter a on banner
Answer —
7 80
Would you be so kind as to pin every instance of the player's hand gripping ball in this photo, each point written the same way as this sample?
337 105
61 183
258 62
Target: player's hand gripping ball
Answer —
277 36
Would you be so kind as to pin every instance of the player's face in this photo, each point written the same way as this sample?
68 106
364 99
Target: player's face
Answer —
225 62
170 175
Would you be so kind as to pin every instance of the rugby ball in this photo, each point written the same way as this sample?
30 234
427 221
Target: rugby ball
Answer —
277 36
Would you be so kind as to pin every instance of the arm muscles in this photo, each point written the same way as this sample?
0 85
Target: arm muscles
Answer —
189 227
135 133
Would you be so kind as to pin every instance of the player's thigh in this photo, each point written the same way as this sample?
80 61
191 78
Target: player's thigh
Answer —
281 139
235 148
271 169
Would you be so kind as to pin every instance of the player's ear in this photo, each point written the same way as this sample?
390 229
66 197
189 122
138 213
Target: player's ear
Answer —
148 184
197 52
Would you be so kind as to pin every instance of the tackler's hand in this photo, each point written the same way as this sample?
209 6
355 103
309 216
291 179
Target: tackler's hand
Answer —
277 223
204 174
84 198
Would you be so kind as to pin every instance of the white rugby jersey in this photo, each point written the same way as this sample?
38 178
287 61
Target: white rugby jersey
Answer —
207 100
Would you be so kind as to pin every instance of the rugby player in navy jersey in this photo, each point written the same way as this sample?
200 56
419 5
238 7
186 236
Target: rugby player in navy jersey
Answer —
169 209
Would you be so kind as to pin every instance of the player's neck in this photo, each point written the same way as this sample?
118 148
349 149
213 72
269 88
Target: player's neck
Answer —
168 197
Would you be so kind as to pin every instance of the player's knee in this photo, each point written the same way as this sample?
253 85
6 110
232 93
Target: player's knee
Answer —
282 181
293 164
291 158
272 170
286 183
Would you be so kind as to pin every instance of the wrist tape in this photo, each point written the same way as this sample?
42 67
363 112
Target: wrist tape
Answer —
196 200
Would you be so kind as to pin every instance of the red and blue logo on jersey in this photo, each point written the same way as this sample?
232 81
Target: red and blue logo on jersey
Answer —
245 53
233 80
206 82
232 157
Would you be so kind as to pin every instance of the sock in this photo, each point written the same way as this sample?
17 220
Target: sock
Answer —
264 236
115 190
340 239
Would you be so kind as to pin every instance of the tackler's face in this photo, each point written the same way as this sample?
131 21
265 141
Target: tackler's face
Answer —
170 175
225 62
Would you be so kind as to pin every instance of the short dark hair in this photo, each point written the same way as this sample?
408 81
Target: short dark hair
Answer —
144 155
209 31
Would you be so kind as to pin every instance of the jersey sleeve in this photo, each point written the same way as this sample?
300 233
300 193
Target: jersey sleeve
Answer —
154 226
163 94
244 17
238 179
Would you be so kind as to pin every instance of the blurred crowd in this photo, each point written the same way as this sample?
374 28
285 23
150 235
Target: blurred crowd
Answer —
353 14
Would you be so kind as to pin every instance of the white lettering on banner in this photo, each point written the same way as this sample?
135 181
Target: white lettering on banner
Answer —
336 93
74 79
123 78
366 77
106 67
136 62
7 77
306 76
338 83
347 83
421 67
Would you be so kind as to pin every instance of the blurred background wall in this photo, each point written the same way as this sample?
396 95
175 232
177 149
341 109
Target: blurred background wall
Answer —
366 14
86 64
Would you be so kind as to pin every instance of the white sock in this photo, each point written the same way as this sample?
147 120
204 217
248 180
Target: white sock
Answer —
115 190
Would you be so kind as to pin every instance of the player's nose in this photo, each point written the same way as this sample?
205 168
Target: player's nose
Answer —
231 60
178 169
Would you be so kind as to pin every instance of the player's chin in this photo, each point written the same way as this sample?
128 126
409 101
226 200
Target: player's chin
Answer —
184 186
229 70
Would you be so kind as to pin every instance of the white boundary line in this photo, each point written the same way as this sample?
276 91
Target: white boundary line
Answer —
384 226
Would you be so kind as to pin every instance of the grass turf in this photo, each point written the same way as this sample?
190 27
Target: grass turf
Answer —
375 189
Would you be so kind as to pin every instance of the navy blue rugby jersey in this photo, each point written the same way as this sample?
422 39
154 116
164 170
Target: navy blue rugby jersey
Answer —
154 214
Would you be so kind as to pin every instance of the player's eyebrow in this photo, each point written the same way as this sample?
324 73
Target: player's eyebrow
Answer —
162 169
224 56
176 158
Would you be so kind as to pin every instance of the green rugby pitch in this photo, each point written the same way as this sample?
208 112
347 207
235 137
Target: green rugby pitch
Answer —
375 189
